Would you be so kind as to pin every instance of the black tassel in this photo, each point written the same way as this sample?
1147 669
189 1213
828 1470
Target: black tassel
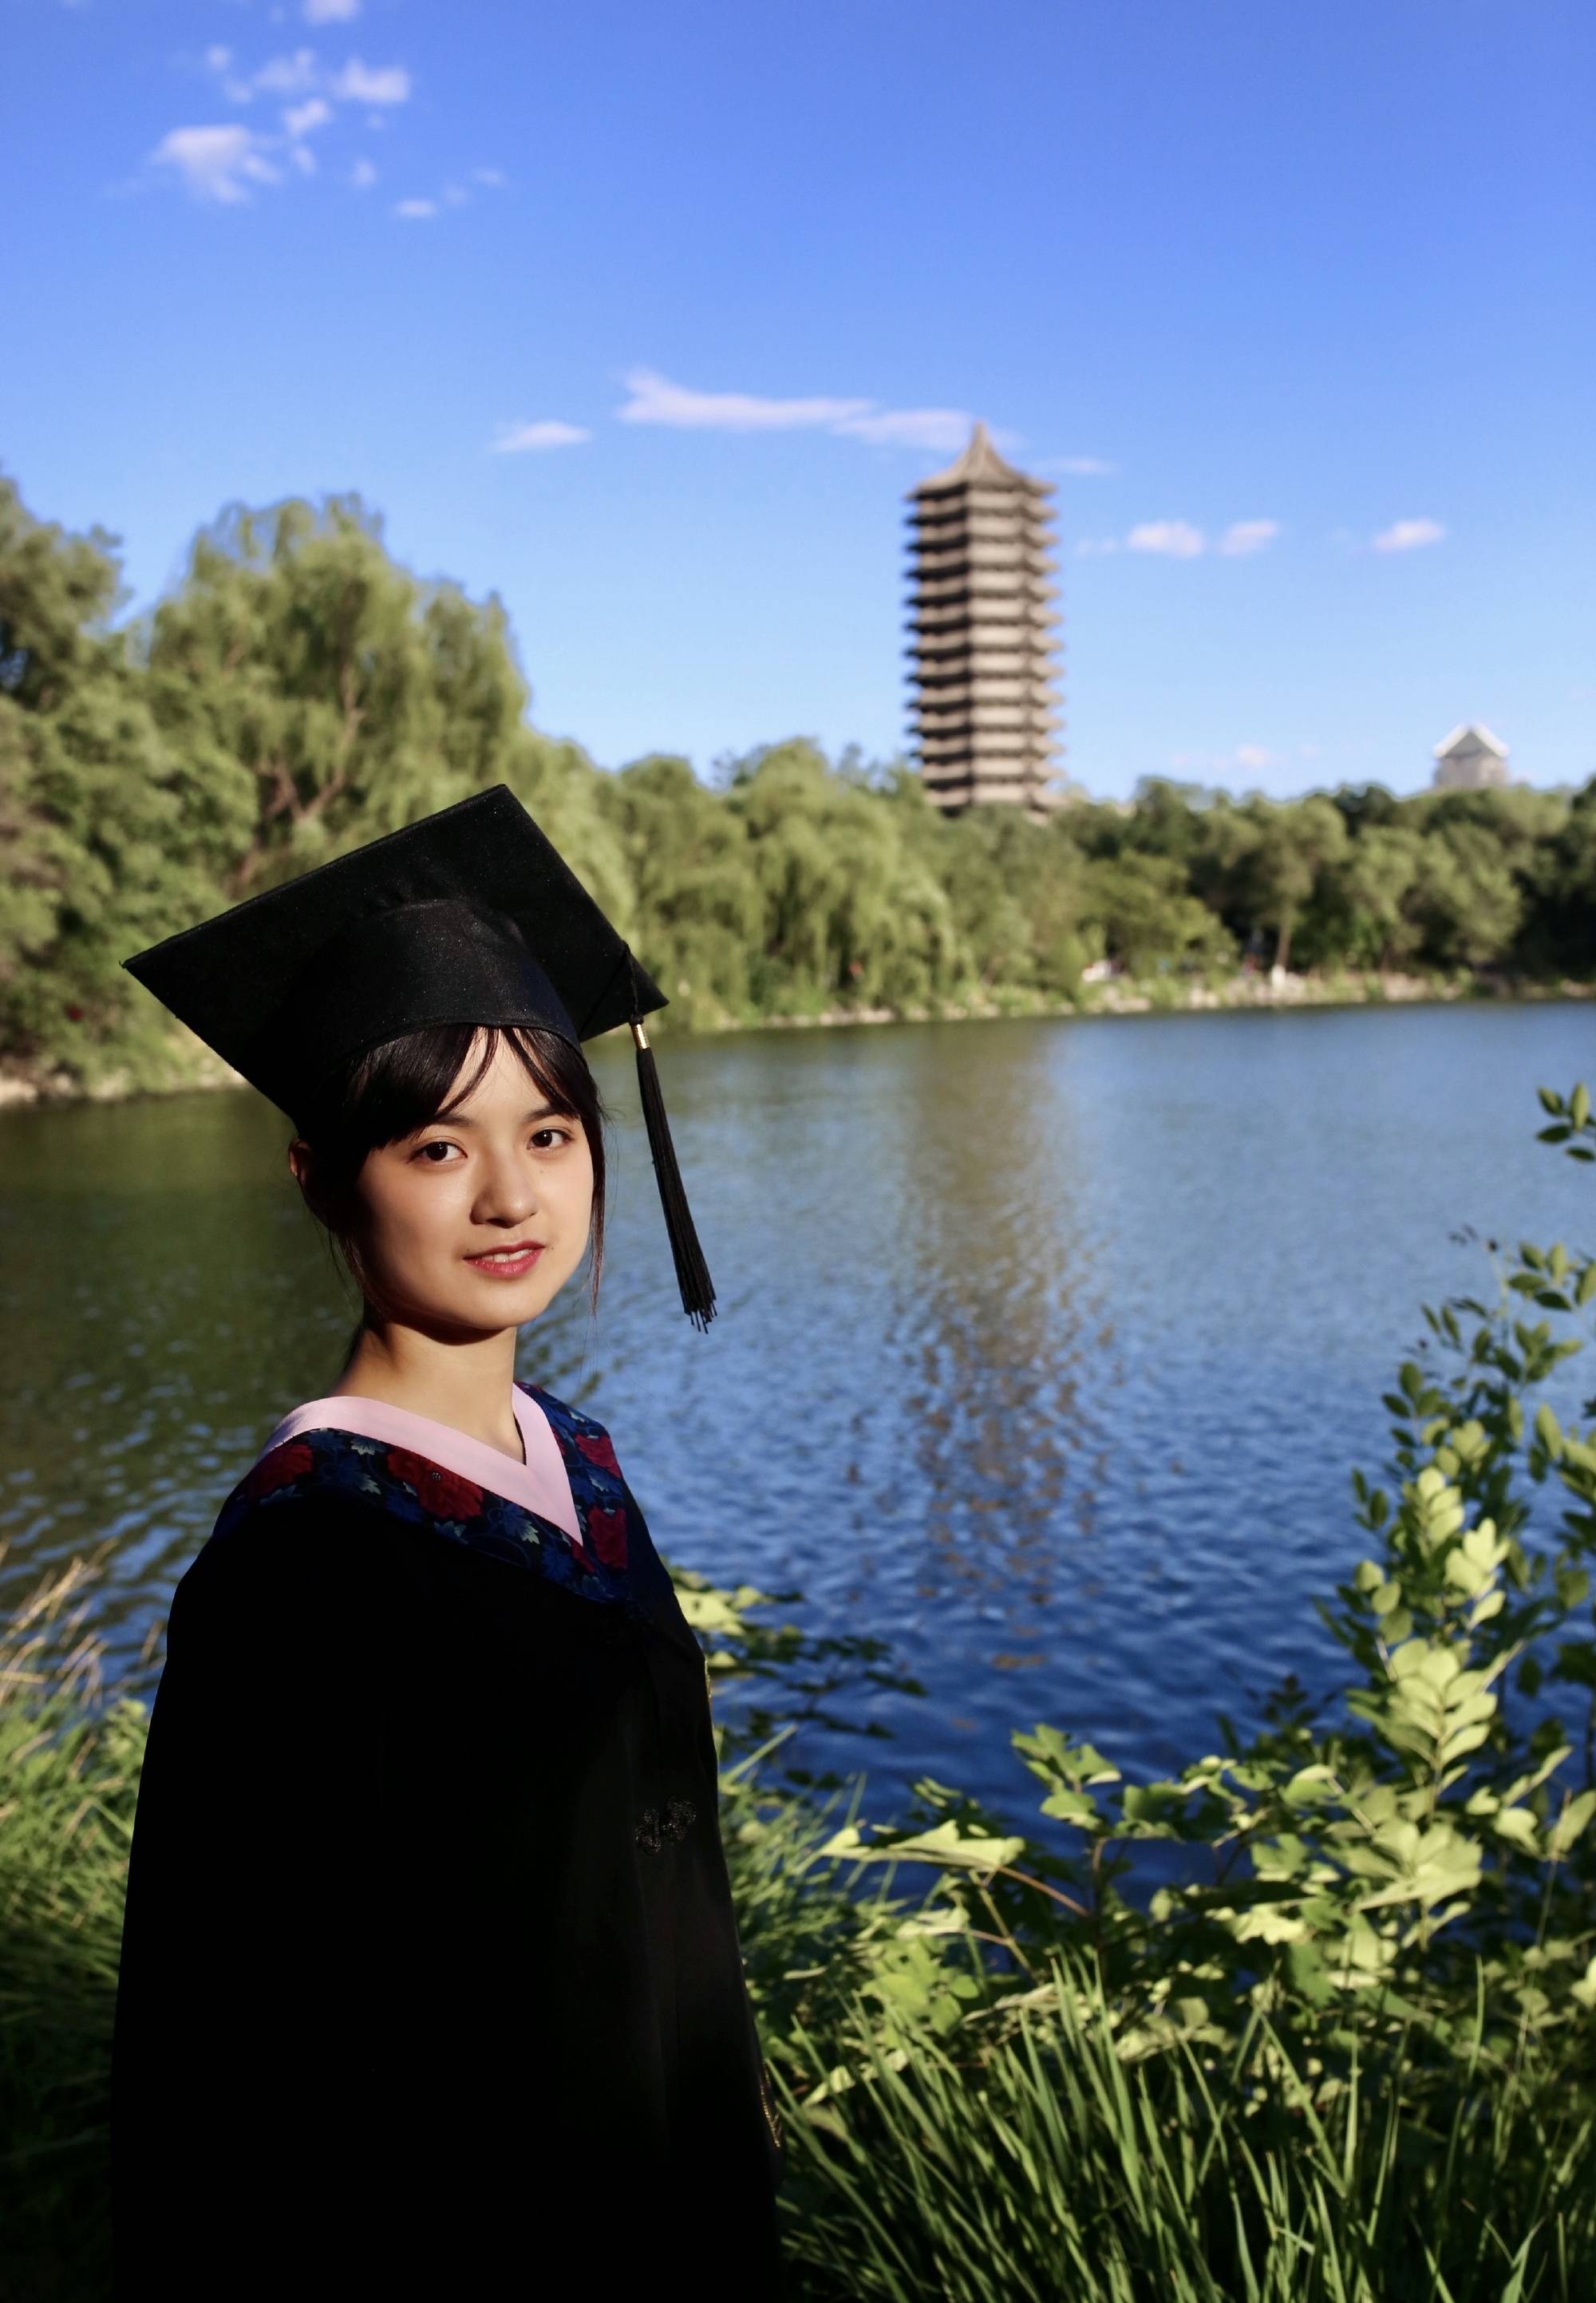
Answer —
692 1273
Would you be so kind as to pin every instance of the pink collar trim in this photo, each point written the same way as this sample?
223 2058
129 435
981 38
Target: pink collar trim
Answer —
540 1485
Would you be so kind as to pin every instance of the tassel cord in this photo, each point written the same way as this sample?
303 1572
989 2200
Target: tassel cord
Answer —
692 1272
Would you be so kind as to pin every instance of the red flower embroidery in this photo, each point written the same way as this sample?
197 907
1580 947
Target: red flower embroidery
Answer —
597 1449
280 1469
443 1493
606 1531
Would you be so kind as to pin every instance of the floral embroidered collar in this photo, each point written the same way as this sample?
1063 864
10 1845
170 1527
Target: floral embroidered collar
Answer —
539 1483
609 1556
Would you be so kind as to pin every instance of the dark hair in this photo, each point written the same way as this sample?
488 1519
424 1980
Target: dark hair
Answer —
392 1090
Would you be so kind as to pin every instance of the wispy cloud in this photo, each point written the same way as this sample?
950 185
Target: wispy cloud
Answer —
361 83
1178 539
287 75
944 430
655 400
222 164
1175 539
299 119
227 162
494 178
1078 468
1246 535
330 11
414 211
546 432
1408 535
1251 759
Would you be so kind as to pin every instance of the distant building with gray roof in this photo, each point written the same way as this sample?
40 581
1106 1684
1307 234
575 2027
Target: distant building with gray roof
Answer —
1470 759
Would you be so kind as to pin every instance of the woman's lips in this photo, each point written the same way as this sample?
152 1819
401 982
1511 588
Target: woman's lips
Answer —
507 1262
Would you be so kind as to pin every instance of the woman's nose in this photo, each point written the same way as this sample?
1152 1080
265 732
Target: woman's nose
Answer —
509 1192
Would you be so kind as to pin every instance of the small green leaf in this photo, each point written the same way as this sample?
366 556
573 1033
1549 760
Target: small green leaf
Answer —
1568 1825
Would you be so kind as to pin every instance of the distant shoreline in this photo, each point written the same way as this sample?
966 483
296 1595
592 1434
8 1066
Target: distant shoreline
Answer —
1113 996
1166 996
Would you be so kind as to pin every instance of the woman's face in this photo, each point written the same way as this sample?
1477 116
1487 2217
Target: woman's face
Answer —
477 1221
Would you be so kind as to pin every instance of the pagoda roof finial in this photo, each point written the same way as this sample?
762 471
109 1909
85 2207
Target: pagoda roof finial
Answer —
980 461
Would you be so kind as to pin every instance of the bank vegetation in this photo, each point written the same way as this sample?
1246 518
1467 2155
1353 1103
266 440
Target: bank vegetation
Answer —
297 692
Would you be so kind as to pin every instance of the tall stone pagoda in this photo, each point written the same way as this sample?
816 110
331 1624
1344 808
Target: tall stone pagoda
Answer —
985 717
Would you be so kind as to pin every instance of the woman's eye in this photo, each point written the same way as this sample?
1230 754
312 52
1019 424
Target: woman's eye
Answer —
547 1138
436 1155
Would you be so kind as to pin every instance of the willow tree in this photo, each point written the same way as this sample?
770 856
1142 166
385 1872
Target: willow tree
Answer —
849 912
319 692
94 856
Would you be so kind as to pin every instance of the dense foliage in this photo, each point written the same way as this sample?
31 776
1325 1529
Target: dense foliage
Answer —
298 692
1344 2053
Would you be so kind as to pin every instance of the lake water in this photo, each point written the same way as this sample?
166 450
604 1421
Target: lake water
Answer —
1045 1348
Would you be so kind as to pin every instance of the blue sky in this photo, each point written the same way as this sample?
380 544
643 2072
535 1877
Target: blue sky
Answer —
645 317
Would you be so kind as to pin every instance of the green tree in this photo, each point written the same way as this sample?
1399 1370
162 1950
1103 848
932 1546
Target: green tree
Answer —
321 694
698 908
1295 842
1466 896
846 914
1146 917
95 857
1363 915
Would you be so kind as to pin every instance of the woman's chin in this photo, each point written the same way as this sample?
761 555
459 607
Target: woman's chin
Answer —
490 1304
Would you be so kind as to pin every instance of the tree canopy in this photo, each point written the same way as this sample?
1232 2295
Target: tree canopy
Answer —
297 691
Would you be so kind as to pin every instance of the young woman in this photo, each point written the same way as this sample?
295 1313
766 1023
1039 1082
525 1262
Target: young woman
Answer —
431 1983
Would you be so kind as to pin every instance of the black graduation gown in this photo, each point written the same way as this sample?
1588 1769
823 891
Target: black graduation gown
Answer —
430 1978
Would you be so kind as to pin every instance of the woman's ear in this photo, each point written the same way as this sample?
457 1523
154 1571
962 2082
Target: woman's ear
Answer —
301 1162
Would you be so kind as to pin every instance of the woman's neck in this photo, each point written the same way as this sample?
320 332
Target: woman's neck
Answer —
469 1386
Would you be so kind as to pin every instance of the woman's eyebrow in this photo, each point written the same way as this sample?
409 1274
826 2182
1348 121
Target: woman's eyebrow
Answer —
461 1119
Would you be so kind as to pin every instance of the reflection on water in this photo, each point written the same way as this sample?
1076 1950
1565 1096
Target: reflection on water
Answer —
1045 1348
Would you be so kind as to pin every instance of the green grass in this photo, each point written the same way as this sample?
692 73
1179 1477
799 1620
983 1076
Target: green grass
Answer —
1021 2155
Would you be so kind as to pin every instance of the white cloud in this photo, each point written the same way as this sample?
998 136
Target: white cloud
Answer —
300 119
654 400
217 59
1408 535
495 178
1244 535
1093 547
361 83
1176 539
288 75
943 429
330 11
215 163
415 210
455 195
303 158
1079 468
362 175
1254 758
547 432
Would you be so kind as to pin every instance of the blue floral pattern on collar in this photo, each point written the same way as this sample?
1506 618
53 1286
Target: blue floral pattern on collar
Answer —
615 1562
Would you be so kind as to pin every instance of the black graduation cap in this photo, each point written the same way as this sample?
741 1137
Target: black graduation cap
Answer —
470 916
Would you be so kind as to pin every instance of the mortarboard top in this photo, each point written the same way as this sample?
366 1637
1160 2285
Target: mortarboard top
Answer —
470 916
